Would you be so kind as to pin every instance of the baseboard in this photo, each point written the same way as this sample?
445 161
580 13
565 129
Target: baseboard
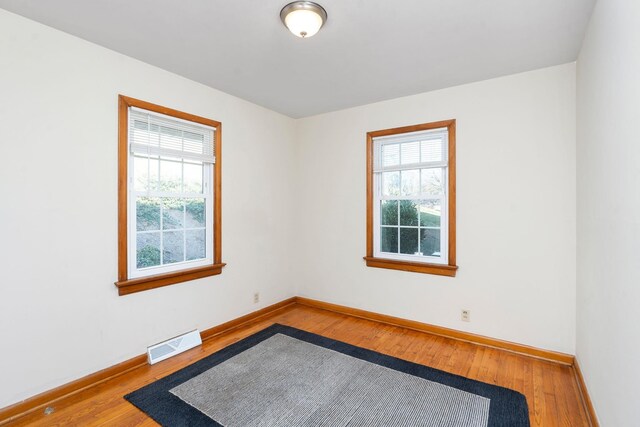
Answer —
39 401
42 400
554 356
584 394
240 321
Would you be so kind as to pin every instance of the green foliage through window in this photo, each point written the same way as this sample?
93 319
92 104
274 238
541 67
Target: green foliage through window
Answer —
410 227
148 256
176 214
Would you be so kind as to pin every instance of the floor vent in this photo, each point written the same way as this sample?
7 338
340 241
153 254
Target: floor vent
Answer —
173 346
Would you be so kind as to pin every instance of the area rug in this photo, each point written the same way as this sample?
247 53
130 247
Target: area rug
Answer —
282 376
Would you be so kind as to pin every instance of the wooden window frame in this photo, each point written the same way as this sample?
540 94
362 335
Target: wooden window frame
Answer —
448 269
124 284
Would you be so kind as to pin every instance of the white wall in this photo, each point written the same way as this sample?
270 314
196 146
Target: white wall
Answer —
608 147
60 315
516 210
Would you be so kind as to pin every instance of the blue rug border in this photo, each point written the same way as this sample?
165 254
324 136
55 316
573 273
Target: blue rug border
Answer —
507 408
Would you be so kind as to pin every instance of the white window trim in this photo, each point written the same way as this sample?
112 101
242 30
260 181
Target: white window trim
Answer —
378 142
207 194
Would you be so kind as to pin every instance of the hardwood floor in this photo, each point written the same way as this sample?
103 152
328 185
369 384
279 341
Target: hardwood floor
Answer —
551 390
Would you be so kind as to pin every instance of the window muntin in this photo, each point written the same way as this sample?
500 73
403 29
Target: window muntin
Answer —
410 196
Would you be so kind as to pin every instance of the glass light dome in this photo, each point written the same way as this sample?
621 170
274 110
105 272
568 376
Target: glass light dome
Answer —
303 18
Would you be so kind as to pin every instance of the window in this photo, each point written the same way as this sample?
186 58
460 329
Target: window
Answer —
169 197
411 198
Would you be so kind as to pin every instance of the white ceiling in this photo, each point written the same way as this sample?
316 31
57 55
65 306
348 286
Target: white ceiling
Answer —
369 50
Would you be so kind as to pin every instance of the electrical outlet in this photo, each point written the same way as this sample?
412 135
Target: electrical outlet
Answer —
256 297
466 315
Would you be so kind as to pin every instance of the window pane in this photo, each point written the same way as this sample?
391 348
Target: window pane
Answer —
409 212
389 212
172 213
193 142
430 213
140 131
390 155
147 213
196 244
431 181
154 174
410 152
430 241
147 249
391 183
431 150
196 213
143 135
170 137
410 182
170 176
173 247
193 177
140 173
409 241
389 239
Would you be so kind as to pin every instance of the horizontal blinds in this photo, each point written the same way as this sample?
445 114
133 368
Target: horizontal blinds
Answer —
411 151
153 134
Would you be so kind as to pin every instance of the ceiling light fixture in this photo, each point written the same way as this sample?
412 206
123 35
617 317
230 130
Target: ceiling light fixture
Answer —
303 18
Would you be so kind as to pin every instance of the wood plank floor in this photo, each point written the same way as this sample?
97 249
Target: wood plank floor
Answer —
550 388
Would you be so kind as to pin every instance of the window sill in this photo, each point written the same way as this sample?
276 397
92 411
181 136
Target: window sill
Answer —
131 286
416 267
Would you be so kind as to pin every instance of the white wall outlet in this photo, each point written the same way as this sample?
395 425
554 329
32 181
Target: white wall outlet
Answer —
466 315
256 297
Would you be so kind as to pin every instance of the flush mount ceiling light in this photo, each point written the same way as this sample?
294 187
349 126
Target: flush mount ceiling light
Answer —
303 18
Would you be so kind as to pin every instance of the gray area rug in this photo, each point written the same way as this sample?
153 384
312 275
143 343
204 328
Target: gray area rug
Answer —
286 376
284 381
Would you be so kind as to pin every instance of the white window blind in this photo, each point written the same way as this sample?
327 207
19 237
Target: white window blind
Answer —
159 135
414 150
